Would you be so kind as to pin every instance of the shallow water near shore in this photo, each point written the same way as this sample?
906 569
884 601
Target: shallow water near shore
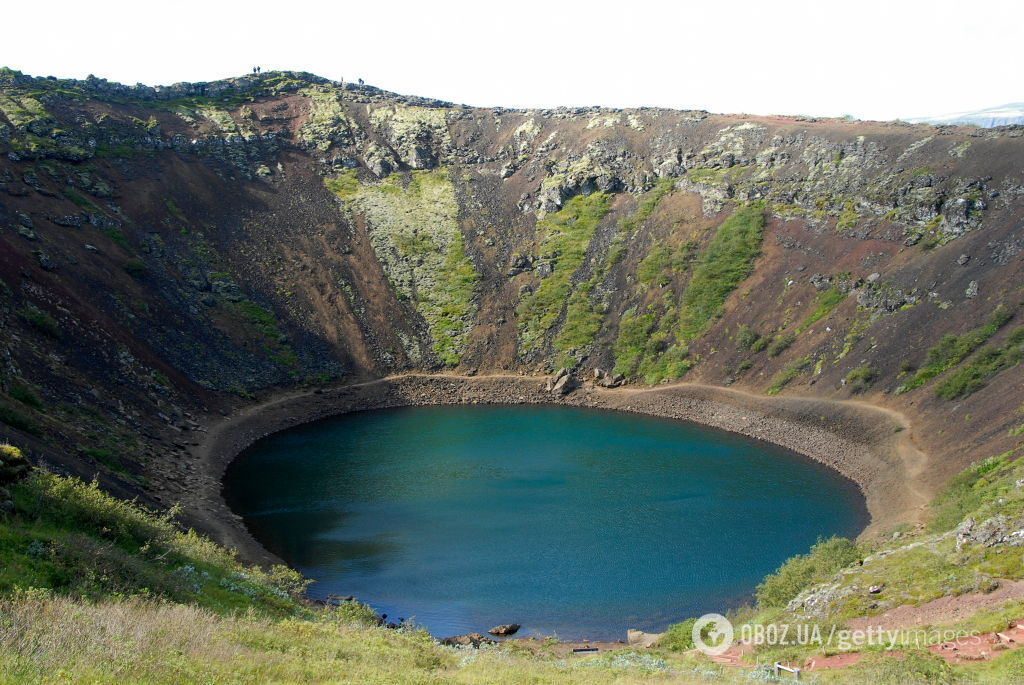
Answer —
573 522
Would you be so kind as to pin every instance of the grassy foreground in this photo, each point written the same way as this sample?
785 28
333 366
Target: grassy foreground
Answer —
98 590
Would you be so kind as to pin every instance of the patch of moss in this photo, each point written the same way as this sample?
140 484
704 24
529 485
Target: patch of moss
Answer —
826 301
646 205
413 225
952 349
723 265
41 321
983 367
566 236
788 374
861 378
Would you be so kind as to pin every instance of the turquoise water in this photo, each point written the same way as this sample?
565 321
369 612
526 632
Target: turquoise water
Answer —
575 522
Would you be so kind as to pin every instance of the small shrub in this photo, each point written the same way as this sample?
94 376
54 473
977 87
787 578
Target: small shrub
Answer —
679 636
746 337
780 344
827 301
804 570
15 419
784 377
41 321
25 395
861 378
986 364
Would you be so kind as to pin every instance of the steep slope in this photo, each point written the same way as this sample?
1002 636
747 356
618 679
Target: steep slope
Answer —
170 254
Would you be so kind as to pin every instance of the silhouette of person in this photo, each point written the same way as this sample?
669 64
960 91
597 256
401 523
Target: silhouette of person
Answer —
361 81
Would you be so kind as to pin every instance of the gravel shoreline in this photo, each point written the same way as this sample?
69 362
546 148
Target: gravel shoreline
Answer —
867 444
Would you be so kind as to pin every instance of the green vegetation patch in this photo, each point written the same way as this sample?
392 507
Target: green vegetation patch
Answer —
780 344
582 321
41 321
413 226
861 378
800 572
788 374
71 538
268 327
566 236
648 202
952 349
826 302
983 367
723 265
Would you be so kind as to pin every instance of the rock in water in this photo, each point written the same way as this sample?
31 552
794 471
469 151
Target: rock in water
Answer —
506 629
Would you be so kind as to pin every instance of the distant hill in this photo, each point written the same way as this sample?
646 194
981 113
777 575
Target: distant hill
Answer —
1003 115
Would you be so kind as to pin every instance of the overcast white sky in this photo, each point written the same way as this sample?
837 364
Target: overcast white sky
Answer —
870 58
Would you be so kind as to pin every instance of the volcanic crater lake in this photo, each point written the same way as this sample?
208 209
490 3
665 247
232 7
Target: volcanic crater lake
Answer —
572 522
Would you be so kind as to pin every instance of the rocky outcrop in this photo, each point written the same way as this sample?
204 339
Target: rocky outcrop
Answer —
467 640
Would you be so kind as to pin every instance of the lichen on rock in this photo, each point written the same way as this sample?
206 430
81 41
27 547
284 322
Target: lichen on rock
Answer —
413 225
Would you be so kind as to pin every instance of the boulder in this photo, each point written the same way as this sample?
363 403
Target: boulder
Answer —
564 386
639 638
467 640
505 629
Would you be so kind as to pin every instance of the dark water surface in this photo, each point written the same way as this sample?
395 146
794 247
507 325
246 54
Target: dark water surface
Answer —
575 522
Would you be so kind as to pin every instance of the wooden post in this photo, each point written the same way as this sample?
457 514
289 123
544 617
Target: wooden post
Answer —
779 668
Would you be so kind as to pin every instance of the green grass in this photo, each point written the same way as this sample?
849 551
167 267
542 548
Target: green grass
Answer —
582 320
648 203
723 265
746 337
263 321
788 374
134 268
952 349
632 340
970 490
77 198
826 301
14 418
567 235
345 185
983 367
41 321
447 306
174 210
106 456
861 378
800 572
71 538
24 394
780 344
652 268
